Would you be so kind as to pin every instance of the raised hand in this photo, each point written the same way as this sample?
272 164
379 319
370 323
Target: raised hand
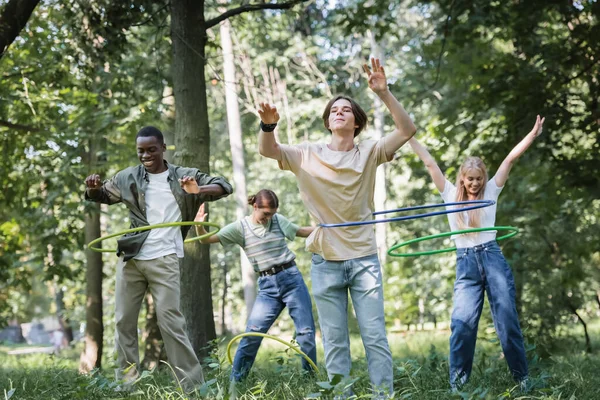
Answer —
93 181
376 76
201 215
537 128
189 184
268 114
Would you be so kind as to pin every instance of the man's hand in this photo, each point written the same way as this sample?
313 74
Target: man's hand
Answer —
268 114
93 181
189 184
376 76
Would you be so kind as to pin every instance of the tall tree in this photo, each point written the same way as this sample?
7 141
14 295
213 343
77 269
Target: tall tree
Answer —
234 125
91 356
192 142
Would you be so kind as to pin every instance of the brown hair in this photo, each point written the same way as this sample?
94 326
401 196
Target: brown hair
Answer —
461 193
360 116
265 198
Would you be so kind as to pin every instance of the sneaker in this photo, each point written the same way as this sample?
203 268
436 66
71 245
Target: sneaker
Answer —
524 385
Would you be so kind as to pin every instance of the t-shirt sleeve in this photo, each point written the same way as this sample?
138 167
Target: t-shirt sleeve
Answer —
380 153
449 193
291 157
288 228
231 234
492 190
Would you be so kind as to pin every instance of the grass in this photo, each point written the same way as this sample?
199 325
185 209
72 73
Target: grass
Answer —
420 372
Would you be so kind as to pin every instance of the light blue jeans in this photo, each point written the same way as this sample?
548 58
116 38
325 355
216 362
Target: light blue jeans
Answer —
482 269
331 281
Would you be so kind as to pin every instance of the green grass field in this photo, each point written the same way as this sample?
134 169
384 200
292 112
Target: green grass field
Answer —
420 362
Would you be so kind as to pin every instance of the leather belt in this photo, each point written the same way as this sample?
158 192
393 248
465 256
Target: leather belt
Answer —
276 269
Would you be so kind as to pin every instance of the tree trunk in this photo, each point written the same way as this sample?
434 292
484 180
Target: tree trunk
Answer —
192 149
91 356
63 321
154 350
13 18
224 301
380 196
234 124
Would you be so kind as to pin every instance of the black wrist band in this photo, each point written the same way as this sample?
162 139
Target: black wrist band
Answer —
267 127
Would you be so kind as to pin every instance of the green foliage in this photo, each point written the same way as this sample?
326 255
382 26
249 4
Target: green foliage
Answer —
63 94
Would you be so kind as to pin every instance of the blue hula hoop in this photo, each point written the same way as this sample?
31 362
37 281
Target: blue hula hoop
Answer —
477 204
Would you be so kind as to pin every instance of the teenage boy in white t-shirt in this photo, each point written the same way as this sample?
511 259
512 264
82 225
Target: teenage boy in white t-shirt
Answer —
154 192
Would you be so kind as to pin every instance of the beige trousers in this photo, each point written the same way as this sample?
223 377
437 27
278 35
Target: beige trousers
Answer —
161 277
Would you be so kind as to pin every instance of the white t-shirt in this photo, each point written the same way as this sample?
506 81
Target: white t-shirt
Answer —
161 207
487 219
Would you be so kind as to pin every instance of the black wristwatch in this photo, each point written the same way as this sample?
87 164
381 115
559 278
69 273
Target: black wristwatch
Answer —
267 127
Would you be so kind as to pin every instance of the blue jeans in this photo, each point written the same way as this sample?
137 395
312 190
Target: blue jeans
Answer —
275 292
480 268
331 281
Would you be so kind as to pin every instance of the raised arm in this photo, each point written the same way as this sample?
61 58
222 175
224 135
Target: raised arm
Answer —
200 217
434 170
502 173
405 129
267 145
305 231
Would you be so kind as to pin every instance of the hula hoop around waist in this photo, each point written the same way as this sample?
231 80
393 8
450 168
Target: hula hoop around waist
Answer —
157 226
391 252
477 204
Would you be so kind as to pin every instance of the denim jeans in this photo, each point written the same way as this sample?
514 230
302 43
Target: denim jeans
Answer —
275 292
478 269
331 281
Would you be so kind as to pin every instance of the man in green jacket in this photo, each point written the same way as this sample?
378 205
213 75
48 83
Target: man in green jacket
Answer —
154 192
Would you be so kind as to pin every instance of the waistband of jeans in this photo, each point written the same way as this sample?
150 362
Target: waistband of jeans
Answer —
477 248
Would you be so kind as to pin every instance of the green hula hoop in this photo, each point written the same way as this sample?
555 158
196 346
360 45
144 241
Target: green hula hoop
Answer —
91 244
264 335
391 251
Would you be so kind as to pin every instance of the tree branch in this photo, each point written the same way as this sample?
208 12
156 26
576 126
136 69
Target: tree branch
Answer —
19 127
250 7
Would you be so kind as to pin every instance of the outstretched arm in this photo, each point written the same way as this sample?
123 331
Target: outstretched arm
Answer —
267 145
434 170
405 129
201 217
305 231
502 174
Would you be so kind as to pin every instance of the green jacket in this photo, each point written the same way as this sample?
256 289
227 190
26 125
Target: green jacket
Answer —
129 186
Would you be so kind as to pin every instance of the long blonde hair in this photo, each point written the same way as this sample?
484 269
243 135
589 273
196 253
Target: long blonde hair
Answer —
470 163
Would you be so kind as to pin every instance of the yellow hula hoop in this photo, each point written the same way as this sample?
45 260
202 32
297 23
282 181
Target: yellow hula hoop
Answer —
264 335
91 244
